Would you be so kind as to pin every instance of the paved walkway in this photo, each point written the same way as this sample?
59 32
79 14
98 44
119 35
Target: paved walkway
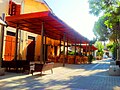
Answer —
71 77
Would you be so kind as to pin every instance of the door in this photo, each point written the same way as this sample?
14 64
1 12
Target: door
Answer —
31 48
9 48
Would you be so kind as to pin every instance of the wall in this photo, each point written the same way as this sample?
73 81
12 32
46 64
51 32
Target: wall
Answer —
31 6
3 6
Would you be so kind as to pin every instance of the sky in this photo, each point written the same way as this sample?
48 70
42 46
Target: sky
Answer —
75 13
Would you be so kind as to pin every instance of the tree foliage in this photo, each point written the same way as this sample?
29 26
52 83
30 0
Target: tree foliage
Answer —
112 47
102 6
100 47
100 29
110 19
111 10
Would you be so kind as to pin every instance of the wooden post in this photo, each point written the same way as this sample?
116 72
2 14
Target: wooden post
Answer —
16 42
64 38
60 48
67 51
80 48
89 48
42 40
44 49
1 40
75 52
19 54
86 50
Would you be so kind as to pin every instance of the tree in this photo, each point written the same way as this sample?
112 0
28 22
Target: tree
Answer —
111 15
100 29
111 10
100 47
112 47
102 6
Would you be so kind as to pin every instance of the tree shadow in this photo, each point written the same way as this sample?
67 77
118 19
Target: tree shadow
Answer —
90 79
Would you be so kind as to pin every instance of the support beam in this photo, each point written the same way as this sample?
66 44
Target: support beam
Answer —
42 40
64 38
19 53
44 49
89 48
16 42
75 52
80 48
67 51
1 40
86 50
60 48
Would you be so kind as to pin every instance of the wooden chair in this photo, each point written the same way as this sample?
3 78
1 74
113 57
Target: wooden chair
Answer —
77 60
42 67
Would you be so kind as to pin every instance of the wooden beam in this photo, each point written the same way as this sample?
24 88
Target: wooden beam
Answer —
44 49
42 41
75 52
16 42
64 38
2 40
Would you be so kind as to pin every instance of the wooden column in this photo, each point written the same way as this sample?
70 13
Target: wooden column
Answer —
86 50
89 48
19 54
75 52
44 49
16 42
80 48
64 38
1 40
67 51
60 48
42 41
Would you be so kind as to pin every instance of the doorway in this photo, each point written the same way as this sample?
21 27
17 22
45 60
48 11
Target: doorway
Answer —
31 48
9 46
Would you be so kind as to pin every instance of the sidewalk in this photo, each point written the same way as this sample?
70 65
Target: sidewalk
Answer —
71 77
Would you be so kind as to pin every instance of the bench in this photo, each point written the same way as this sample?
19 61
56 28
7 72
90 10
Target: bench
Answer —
14 64
114 70
41 67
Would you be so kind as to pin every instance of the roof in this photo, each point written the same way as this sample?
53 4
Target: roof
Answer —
53 26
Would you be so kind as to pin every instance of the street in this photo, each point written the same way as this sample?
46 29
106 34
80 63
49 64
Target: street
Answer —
71 77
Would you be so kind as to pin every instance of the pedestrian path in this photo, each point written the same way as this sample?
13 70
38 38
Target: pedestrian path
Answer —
71 77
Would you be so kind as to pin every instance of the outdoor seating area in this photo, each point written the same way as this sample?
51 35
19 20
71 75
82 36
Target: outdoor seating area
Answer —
25 66
71 59
81 59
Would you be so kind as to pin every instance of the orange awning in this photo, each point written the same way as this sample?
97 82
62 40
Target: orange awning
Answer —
53 26
89 47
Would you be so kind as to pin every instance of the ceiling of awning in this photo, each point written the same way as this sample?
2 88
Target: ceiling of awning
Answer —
89 47
53 26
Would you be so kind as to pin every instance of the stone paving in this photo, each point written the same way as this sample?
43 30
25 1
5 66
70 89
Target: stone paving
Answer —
71 77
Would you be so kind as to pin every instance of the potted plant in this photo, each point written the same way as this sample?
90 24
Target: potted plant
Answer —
90 58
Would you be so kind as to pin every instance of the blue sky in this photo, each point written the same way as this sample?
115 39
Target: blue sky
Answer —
75 13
